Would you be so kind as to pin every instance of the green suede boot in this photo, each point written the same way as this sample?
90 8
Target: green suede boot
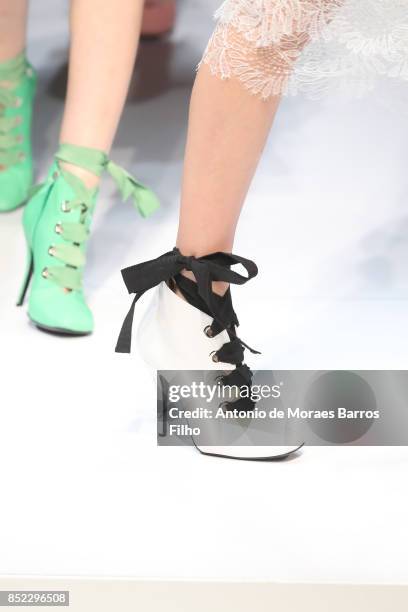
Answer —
57 222
16 106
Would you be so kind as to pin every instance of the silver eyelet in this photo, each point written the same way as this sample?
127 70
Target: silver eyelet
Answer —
22 156
19 138
224 405
208 331
18 120
51 251
18 102
45 273
58 228
65 207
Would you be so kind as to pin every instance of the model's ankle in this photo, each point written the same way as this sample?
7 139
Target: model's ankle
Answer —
12 56
218 287
12 69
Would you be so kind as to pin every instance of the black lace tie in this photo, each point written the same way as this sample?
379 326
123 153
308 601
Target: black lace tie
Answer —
215 267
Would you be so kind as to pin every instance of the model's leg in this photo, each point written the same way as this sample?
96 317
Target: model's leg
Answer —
58 217
192 324
104 38
230 119
227 133
13 22
17 87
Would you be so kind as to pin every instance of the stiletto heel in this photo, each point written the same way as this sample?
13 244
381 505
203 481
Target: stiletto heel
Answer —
27 278
162 407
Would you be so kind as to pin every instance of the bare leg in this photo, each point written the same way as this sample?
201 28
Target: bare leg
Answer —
230 118
227 133
104 38
13 23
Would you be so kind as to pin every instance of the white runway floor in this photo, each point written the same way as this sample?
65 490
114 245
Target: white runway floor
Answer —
84 489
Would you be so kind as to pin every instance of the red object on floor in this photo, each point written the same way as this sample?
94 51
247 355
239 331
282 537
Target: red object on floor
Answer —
158 17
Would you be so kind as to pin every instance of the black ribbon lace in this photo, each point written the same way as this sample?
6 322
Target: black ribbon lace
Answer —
215 267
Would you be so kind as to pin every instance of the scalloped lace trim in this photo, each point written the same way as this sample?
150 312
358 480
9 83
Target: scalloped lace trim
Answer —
285 47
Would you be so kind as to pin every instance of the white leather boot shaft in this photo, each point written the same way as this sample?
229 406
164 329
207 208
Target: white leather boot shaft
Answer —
171 335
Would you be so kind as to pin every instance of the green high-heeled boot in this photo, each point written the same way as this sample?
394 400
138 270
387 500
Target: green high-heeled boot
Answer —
56 223
16 106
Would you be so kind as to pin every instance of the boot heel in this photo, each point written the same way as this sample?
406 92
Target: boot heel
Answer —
162 406
27 277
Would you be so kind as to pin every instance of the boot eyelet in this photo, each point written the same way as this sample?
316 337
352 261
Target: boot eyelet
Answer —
18 102
45 273
19 138
65 207
22 157
18 120
51 251
208 331
58 228
29 72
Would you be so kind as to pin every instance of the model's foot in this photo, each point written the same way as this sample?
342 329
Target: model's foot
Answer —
17 90
197 331
57 223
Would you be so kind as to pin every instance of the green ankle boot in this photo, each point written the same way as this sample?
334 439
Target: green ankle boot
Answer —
16 105
57 222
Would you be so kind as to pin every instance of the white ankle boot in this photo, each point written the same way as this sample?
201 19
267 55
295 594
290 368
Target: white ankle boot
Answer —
171 335
177 335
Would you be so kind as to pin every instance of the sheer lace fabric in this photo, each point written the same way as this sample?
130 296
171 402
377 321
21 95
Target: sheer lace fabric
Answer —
314 46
